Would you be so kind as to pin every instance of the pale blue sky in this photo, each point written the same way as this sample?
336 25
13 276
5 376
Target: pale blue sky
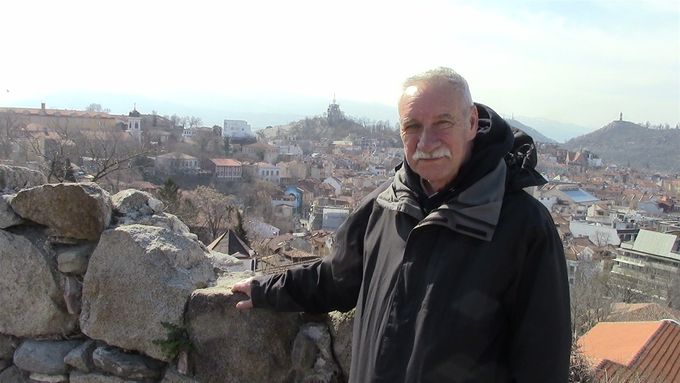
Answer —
581 62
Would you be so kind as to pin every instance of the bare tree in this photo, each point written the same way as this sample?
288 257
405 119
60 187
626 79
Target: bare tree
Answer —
211 209
97 108
591 301
106 151
100 152
11 126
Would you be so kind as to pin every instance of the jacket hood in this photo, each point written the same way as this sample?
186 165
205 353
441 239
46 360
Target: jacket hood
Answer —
496 140
502 159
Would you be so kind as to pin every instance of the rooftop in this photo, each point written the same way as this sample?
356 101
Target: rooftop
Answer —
634 351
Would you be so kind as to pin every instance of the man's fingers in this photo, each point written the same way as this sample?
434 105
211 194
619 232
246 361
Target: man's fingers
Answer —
244 305
242 286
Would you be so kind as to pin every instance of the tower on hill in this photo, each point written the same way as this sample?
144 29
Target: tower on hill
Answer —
334 115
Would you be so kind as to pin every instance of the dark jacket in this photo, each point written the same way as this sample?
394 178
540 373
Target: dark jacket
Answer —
467 285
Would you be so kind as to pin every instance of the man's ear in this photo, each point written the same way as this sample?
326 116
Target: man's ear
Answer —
474 121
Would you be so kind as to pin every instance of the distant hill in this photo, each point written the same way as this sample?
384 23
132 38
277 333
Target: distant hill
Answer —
538 137
628 144
560 131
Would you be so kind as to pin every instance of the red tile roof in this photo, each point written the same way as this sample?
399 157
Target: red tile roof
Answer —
225 162
634 351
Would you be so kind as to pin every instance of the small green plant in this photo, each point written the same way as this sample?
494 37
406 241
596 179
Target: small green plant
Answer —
176 341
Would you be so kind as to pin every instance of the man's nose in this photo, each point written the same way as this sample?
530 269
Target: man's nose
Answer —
428 140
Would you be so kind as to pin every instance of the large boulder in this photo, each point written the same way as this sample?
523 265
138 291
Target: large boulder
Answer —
312 356
131 202
7 346
31 294
125 365
132 206
44 357
226 340
139 277
14 375
13 178
81 377
340 327
8 217
74 210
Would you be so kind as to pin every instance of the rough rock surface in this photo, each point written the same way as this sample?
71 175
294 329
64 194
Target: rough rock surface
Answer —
7 346
8 217
304 353
30 294
129 366
172 376
4 363
340 327
135 203
72 294
224 338
138 277
79 377
81 356
14 375
312 355
74 259
45 378
13 178
75 210
44 357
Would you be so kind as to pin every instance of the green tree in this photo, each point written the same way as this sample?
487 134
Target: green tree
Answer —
241 231
170 195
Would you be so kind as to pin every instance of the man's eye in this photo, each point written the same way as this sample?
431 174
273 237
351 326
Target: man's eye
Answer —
444 124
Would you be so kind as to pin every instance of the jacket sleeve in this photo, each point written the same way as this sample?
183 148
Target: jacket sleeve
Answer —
540 343
331 283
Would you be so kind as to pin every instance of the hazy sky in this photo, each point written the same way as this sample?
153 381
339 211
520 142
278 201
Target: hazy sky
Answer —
574 61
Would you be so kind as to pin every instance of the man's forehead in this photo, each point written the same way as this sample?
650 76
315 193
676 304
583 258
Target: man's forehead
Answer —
411 90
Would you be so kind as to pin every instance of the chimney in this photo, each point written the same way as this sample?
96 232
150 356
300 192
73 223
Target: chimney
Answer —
42 107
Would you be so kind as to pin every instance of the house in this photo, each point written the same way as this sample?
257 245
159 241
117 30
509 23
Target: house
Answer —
628 312
225 168
632 352
653 259
177 162
335 183
73 119
600 235
260 151
332 218
237 129
268 172
229 243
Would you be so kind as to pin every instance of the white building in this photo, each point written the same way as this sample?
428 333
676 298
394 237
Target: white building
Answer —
653 259
268 172
332 218
237 129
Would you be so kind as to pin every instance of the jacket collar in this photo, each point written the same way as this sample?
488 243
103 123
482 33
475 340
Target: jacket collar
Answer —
474 211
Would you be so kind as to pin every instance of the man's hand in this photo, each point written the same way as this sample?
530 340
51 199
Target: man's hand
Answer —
243 287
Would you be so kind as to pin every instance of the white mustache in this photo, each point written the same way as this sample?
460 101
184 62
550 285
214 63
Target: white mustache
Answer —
437 153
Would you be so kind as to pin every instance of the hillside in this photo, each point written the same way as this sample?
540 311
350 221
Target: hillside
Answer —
627 144
318 128
538 137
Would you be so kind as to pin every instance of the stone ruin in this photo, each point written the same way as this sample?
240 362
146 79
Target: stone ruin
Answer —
100 288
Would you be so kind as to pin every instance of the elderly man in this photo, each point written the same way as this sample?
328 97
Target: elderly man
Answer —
456 273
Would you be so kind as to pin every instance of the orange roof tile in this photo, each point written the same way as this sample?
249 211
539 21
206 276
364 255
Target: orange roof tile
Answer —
616 341
635 351
225 162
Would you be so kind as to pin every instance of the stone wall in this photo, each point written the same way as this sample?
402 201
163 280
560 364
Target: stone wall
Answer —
101 288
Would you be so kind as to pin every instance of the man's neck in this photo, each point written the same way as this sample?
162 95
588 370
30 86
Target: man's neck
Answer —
427 187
